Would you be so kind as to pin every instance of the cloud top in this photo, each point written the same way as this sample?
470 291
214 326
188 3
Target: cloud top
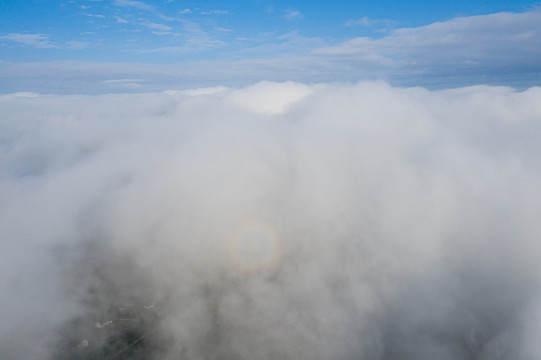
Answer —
278 220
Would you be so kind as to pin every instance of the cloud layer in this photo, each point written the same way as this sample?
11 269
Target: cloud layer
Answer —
456 46
279 220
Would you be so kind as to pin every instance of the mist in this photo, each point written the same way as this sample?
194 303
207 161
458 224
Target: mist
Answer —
274 221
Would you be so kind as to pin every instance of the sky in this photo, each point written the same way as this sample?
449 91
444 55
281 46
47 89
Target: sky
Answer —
96 46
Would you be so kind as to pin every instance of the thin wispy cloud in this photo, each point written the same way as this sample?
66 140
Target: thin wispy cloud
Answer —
39 41
161 33
190 46
134 4
185 11
121 20
125 84
293 14
214 12
77 45
155 26
119 81
96 16
366 21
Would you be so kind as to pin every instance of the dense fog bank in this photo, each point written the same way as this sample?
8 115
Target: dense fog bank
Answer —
275 221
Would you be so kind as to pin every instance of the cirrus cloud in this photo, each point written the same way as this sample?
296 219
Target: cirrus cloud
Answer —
40 41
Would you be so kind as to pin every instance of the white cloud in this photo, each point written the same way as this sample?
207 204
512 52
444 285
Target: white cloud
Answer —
185 11
214 12
312 215
124 83
292 14
193 39
270 98
205 91
190 46
40 41
117 81
496 43
96 16
155 26
134 4
121 20
23 94
77 45
366 21
162 33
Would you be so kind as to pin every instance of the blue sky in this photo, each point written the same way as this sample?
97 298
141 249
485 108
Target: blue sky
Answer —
301 40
